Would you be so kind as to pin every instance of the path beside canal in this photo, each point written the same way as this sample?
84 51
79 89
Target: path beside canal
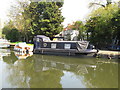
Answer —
109 54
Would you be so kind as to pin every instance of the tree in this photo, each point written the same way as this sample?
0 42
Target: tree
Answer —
22 21
11 34
99 26
46 18
115 21
33 18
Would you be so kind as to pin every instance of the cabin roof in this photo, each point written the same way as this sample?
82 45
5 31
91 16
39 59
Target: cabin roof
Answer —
68 41
42 36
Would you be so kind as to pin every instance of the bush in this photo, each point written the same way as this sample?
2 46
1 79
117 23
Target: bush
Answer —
11 34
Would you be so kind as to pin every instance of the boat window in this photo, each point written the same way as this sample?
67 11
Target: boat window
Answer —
53 45
37 39
67 46
46 39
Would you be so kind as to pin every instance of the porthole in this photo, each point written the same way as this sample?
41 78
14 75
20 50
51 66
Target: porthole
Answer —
45 44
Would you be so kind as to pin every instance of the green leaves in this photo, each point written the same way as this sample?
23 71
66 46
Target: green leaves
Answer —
46 18
102 25
11 34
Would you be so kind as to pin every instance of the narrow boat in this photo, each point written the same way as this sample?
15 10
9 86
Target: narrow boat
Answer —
44 45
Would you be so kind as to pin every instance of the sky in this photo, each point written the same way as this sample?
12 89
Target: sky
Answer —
72 10
4 9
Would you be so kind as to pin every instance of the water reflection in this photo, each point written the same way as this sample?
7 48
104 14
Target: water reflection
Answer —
22 55
4 52
44 71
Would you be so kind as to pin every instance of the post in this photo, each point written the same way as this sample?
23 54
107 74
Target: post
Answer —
42 51
69 53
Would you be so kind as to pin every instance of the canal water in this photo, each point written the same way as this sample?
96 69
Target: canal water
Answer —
49 71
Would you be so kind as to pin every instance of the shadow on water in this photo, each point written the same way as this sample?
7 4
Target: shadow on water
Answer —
49 71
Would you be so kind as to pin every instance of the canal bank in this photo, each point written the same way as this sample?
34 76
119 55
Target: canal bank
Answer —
108 54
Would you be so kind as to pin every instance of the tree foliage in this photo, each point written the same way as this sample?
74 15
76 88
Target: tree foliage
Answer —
46 18
100 26
115 22
35 18
11 34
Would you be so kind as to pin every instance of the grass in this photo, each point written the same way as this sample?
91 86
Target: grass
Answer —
15 42
30 44
20 42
